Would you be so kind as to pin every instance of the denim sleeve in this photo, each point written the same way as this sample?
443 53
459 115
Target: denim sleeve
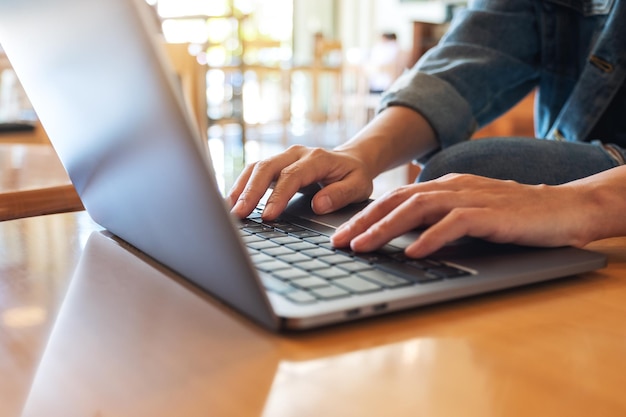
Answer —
486 62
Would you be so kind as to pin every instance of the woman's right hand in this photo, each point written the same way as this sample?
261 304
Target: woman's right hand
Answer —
345 178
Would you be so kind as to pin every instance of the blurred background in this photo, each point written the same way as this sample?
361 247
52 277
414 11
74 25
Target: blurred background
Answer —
260 75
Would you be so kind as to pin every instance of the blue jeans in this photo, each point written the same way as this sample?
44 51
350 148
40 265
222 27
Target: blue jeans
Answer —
525 160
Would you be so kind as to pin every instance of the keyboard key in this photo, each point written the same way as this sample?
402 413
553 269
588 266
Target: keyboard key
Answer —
301 297
311 265
251 238
317 252
304 233
259 257
264 244
286 240
373 257
336 259
255 215
357 285
294 257
318 239
309 282
247 223
257 229
346 251
289 274
331 273
276 285
285 227
279 251
355 266
300 246
329 293
252 251
273 265
270 235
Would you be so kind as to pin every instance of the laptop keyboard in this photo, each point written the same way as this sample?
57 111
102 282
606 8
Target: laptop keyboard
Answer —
303 266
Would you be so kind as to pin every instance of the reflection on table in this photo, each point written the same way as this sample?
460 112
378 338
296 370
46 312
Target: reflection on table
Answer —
24 167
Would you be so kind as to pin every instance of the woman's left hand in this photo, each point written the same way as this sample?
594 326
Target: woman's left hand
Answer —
458 205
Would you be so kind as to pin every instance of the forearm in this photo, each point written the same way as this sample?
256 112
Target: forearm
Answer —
396 136
474 74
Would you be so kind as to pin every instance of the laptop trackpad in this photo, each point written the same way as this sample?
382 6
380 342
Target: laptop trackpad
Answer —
300 206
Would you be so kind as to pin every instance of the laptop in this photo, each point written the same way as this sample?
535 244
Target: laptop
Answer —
100 82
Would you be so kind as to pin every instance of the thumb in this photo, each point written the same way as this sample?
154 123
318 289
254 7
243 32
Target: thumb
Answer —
339 194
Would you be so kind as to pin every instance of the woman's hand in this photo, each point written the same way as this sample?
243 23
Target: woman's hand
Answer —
345 177
394 137
458 205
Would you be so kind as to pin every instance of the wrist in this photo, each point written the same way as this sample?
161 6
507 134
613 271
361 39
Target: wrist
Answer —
396 136
601 202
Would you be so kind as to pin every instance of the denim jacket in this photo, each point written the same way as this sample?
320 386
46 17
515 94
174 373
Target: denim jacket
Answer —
497 51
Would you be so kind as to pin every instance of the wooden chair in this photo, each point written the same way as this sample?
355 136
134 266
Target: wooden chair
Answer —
33 182
192 78
39 201
327 61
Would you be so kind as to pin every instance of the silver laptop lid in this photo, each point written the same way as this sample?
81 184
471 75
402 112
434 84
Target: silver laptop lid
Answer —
105 95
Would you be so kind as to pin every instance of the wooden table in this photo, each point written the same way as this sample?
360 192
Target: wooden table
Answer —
89 329
29 166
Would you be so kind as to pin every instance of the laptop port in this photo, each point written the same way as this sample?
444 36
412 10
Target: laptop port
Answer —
377 308
353 313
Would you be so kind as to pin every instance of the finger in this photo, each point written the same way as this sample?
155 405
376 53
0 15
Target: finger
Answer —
352 189
262 174
363 220
299 174
474 222
239 185
455 182
408 208
418 210
287 185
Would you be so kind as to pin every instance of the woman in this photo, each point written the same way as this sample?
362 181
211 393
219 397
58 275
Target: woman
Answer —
568 189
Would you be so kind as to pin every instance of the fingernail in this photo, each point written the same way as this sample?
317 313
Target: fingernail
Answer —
268 211
339 233
237 207
339 238
415 250
359 243
323 205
